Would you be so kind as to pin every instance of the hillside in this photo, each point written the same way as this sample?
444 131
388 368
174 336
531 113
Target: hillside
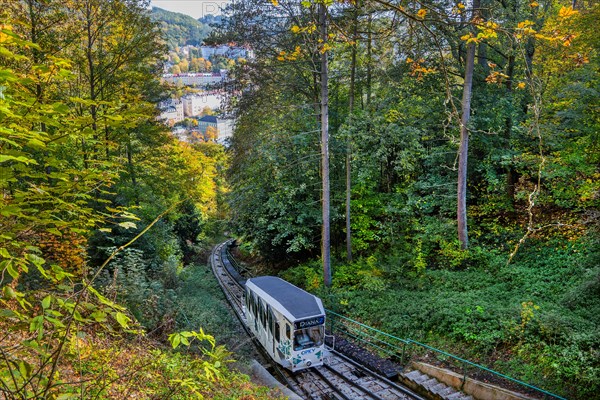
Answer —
432 172
180 29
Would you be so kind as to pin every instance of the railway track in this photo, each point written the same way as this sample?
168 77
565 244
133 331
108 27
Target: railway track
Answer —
338 379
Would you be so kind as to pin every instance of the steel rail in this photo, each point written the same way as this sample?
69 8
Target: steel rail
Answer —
219 256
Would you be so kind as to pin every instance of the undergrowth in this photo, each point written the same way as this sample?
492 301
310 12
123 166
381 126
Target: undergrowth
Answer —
536 319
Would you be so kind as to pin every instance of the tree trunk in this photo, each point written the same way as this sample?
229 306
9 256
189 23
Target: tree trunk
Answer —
510 173
461 209
89 15
325 239
369 59
349 139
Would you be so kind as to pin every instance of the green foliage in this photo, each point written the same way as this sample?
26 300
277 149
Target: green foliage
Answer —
200 302
540 309
180 29
88 169
308 276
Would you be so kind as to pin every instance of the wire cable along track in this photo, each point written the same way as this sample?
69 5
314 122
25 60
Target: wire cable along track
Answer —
339 378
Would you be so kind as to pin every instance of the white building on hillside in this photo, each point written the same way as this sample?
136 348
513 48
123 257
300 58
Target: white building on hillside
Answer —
196 79
215 128
171 111
193 104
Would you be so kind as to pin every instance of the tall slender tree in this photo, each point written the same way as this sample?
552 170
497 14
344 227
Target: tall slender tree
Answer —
325 239
463 152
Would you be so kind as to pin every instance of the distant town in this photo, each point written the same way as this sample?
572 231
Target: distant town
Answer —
203 71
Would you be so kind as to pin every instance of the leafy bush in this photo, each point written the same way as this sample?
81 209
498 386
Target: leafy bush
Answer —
543 309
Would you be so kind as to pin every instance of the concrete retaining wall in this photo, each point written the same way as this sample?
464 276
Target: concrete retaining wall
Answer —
262 376
479 390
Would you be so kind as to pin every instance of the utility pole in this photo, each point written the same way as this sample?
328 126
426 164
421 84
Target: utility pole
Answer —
325 234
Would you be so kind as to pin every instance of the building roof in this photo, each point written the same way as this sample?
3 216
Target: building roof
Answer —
208 118
299 303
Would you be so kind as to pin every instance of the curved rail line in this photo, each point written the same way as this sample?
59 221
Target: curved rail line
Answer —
338 379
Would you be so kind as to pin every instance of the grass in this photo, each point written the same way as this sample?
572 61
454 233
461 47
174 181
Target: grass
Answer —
536 319
201 303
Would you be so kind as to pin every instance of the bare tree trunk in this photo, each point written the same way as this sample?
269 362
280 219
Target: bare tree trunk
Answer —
89 51
461 209
349 139
325 239
369 58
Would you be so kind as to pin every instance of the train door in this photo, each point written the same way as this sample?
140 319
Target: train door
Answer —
283 338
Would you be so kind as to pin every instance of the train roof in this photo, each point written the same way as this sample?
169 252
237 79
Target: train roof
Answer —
298 303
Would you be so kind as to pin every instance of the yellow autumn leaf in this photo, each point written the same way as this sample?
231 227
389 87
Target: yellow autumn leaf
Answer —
524 24
566 12
534 4
3 36
521 85
460 6
326 47
275 3
421 13
295 29
409 60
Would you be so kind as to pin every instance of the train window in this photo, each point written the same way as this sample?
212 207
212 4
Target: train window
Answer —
277 333
254 305
288 332
308 337
270 319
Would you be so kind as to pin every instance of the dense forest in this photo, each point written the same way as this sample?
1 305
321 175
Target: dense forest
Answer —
103 215
180 29
462 148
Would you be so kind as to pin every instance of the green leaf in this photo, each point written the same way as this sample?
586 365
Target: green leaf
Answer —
6 157
122 319
175 339
98 316
10 267
36 324
54 231
8 292
36 260
104 300
36 143
127 225
46 302
67 396
55 322
25 369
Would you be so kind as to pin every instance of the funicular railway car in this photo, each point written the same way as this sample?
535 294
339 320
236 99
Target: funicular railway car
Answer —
288 321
